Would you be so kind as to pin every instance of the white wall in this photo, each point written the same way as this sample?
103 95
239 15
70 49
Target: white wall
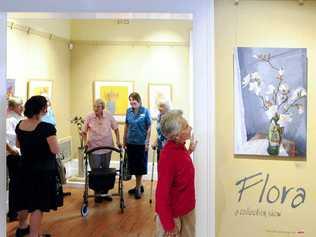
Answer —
3 195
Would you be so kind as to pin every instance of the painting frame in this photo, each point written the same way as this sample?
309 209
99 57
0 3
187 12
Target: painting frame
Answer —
153 89
40 87
10 87
120 90
270 87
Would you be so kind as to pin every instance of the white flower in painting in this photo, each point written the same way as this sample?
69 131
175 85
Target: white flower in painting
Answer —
254 86
272 111
303 92
284 88
246 81
298 93
281 98
255 76
284 120
270 90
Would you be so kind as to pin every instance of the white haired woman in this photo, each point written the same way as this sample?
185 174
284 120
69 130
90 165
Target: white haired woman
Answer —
175 194
163 107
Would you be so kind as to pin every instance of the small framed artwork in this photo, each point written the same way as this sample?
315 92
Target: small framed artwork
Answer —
156 93
10 87
40 87
115 95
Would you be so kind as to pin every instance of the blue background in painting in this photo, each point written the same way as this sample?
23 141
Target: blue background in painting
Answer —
294 63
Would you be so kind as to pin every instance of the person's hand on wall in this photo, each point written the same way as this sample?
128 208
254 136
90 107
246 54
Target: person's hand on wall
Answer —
193 143
154 145
146 146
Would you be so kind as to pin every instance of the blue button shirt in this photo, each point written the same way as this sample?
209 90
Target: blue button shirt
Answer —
49 117
138 125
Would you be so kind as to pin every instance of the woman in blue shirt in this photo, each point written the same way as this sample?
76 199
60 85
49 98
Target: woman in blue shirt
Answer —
136 140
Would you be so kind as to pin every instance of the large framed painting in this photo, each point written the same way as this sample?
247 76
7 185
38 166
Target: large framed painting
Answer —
157 93
115 95
40 87
10 87
270 102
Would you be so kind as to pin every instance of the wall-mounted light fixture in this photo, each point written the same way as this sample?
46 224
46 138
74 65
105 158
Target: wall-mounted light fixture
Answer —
70 46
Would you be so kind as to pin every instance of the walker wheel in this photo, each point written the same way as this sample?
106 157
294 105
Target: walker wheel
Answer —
84 210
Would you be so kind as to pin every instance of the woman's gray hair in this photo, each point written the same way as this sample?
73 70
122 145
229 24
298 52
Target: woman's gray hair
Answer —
164 103
171 123
99 102
13 102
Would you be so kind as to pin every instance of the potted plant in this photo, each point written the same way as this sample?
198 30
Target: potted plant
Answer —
79 121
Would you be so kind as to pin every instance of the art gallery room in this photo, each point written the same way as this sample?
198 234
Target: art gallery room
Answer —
243 73
73 62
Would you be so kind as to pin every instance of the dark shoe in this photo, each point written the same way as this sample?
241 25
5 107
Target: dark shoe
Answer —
98 199
138 194
132 191
108 198
22 232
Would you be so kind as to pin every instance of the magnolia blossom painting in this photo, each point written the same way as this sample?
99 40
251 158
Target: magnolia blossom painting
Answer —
270 101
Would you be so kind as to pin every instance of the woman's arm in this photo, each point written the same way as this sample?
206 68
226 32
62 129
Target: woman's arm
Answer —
147 138
53 144
117 135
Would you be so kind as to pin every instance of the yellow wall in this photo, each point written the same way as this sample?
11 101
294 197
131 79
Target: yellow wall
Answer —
140 64
262 24
33 57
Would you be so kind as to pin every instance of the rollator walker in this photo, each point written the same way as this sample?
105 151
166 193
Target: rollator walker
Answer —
102 179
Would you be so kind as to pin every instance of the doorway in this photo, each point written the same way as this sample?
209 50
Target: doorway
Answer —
203 120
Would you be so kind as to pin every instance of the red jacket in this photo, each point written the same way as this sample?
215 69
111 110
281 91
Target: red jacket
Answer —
175 194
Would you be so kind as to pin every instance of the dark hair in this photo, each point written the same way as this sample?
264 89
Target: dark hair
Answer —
135 96
34 105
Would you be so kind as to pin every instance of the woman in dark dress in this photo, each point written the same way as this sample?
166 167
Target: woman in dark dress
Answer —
37 189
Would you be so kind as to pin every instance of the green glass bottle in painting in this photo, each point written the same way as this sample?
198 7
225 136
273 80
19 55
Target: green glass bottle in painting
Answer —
274 137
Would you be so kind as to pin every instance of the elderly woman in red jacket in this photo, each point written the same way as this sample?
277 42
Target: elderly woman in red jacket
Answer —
175 195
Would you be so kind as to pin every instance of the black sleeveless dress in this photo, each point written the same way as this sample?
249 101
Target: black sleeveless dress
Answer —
37 185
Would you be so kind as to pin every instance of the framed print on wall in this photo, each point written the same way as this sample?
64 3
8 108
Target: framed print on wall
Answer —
115 95
270 101
40 87
156 93
10 87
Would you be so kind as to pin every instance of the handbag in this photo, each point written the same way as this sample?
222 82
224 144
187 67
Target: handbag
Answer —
125 174
59 192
